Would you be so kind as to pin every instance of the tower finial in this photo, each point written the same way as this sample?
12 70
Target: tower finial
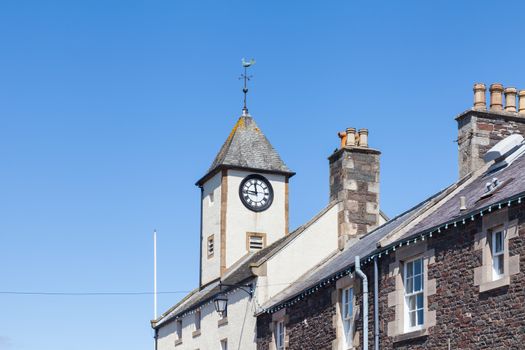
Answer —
246 77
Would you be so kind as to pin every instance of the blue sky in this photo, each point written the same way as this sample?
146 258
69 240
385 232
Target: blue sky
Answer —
111 110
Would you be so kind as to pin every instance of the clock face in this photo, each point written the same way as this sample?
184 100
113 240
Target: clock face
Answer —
256 192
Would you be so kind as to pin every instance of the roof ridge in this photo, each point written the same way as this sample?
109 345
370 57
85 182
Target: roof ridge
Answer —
434 203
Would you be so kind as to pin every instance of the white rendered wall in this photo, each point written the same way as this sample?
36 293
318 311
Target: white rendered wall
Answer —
211 224
240 220
310 247
240 330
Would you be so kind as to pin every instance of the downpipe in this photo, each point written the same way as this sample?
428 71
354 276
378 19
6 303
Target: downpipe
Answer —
376 305
362 275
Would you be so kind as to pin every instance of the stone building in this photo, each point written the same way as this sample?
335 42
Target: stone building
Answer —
247 254
446 274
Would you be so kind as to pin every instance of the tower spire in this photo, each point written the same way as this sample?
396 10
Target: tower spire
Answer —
246 77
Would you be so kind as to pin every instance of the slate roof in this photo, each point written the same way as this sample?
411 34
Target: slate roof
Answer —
512 183
236 274
194 299
247 147
441 208
340 261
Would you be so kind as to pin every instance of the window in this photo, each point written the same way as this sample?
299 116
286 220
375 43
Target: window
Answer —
414 316
179 330
197 320
211 198
498 249
414 294
210 246
493 242
224 344
347 314
279 335
255 241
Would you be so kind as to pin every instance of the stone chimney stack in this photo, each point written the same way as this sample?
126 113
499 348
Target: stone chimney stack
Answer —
479 129
354 180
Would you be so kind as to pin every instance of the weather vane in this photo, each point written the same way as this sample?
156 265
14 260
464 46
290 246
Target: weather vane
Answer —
246 77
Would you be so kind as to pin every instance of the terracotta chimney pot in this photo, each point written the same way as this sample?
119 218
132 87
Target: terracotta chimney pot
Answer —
510 99
521 102
342 136
350 137
480 101
363 137
496 97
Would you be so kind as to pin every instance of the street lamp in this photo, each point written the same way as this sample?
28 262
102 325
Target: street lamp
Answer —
221 304
221 301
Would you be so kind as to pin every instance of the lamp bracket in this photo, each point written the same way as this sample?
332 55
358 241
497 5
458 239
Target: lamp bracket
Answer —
247 288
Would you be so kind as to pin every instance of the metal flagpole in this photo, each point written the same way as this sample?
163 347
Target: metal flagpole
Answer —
154 274
155 285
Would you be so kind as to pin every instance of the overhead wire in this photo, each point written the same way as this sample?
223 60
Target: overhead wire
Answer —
101 293
88 293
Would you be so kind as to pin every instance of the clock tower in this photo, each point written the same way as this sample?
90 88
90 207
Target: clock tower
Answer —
244 200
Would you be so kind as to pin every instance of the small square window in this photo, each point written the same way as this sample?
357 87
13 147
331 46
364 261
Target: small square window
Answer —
210 246
255 241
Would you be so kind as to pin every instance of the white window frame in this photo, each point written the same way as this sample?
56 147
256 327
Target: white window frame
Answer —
498 256
178 329
280 334
347 315
420 324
